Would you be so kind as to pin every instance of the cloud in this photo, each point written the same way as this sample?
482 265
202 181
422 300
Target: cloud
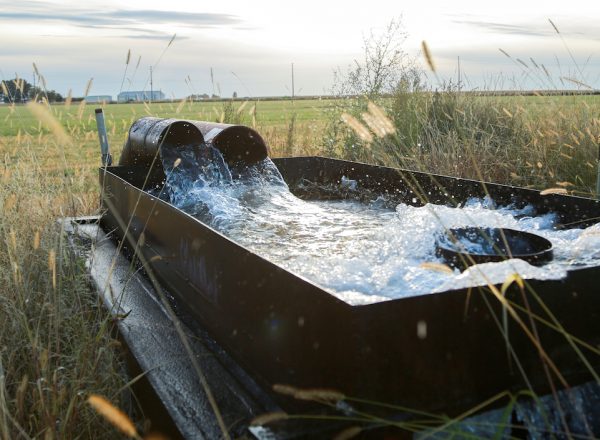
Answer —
196 19
159 36
115 19
506 28
580 28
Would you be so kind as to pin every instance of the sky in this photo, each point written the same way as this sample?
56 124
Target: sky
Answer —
251 45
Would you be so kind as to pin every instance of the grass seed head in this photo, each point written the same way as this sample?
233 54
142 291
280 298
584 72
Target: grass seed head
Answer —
113 415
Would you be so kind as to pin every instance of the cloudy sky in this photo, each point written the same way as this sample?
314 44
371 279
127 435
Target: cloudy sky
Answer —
250 45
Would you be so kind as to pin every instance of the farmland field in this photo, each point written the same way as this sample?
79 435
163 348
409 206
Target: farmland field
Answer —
300 123
120 116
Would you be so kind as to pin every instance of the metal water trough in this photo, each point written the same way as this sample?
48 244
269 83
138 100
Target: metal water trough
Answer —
283 329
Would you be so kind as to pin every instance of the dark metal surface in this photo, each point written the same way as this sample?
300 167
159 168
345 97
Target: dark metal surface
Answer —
284 329
175 393
462 247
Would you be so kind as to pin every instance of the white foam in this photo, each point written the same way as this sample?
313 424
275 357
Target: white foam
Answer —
364 253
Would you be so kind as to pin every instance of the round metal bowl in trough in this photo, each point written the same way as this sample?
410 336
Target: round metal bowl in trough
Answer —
462 247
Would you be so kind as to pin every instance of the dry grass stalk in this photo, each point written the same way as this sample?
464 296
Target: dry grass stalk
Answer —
52 266
69 99
113 415
36 240
553 191
438 267
319 395
180 106
348 433
383 119
314 394
427 55
286 390
267 418
374 125
42 113
361 131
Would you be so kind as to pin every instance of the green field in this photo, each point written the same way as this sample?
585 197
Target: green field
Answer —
120 116
548 128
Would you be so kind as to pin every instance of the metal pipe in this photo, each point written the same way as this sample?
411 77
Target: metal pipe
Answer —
237 143
147 135
104 147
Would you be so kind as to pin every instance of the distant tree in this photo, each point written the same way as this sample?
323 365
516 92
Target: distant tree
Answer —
54 96
15 90
20 90
384 68
385 71
234 95
38 93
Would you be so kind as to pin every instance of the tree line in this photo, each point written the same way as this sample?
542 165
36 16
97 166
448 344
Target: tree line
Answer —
20 90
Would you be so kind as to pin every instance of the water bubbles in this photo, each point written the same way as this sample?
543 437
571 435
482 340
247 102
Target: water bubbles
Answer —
422 329
362 253
347 183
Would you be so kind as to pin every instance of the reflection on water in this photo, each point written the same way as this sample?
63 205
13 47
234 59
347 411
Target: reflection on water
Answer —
362 253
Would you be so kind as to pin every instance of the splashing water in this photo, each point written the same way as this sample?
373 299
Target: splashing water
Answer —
362 253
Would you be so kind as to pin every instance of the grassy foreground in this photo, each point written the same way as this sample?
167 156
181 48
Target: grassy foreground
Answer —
56 345
55 337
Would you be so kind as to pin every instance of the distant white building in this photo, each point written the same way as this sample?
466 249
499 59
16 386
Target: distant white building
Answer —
97 99
141 95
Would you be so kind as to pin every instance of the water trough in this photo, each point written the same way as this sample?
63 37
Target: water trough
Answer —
439 351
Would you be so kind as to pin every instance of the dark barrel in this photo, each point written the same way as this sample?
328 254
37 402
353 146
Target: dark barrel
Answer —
237 143
146 135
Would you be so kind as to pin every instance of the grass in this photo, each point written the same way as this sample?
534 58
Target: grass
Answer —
56 343
532 141
120 116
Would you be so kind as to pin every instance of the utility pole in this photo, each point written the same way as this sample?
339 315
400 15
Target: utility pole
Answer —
151 87
292 81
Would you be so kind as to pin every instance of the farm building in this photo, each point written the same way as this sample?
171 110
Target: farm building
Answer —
141 95
98 98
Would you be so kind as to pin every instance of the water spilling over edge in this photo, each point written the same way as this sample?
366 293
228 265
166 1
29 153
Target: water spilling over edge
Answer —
361 253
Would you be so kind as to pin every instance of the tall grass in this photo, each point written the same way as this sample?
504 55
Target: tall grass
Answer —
532 141
56 338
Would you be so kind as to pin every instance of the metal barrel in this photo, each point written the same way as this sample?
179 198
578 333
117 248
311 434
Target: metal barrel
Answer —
147 135
237 143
